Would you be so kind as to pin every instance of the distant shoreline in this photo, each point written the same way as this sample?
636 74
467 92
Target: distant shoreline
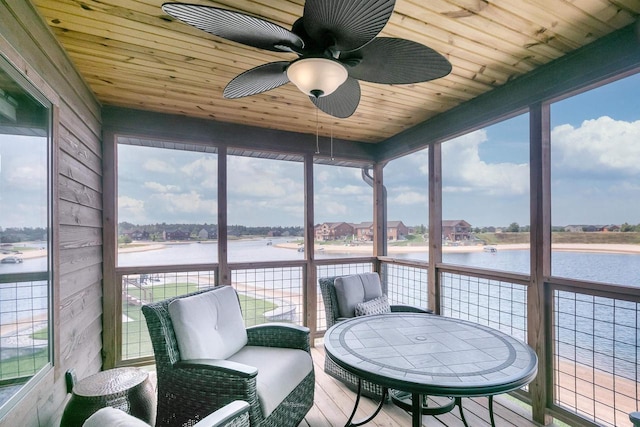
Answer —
563 247
391 249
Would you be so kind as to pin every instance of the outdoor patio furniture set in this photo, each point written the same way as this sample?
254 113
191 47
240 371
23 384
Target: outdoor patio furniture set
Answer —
208 363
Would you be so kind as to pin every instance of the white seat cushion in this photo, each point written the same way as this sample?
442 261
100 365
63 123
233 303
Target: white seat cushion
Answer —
208 325
354 289
280 370
113 417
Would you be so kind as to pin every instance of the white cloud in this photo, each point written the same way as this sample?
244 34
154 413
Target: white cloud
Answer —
457 189
322 176
254 187
26 177
160 188
351 190
333 210
202 166
185 203
341 195
624 188
131 210
602 145
465 171
419 160
407 197
265 179
204 170
157 165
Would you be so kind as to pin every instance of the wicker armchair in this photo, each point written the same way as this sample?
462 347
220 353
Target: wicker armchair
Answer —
332 313
189 390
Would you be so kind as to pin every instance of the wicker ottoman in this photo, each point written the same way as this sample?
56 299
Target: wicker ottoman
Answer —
128 389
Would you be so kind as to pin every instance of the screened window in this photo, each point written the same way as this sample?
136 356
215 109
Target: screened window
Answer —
343 205
25 235
406 180
167 206
595 190
485 197
265 209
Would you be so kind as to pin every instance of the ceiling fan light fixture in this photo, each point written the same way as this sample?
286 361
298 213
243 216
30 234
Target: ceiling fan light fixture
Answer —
337 45
317 77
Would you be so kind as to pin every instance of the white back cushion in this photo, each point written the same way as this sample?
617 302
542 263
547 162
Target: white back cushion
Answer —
354 289
208 325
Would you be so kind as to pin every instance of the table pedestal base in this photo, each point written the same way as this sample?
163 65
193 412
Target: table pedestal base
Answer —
405 400
418 403
414 403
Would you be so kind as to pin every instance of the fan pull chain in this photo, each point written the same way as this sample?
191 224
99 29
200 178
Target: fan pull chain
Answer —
332 140
317 130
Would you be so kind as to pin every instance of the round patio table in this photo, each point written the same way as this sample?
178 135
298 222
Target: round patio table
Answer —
425 354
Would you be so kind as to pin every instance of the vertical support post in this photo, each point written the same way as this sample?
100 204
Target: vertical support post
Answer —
224 275
538 298
111 289
435 225
54 235
310 292
379 214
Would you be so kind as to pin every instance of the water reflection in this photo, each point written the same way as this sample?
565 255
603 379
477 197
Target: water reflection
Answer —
262 249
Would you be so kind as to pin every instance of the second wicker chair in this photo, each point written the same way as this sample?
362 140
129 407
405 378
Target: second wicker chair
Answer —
334 313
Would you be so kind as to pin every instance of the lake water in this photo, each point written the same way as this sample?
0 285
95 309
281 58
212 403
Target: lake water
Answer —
621 269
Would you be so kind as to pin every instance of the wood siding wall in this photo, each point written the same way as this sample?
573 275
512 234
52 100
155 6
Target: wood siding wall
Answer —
27 42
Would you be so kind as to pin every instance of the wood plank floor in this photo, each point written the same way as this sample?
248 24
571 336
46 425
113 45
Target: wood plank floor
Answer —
334 403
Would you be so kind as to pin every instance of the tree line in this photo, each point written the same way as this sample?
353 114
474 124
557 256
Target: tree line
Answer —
24 234
158 229
514 227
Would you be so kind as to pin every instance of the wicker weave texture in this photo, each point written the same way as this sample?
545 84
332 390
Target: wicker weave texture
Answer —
330 299
188 393
128 389
241 420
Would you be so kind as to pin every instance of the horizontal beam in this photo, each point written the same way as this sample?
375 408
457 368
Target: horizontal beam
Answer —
613 55
191 130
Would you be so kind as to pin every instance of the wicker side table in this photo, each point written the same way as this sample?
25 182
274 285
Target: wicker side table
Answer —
128 389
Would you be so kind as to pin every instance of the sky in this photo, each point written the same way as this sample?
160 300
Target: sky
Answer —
595 155
23 173
595 166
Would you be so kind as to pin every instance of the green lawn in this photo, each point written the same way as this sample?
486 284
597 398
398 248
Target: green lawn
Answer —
23 366
26 365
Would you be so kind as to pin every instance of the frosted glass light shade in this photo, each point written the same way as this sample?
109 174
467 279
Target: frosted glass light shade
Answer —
317 76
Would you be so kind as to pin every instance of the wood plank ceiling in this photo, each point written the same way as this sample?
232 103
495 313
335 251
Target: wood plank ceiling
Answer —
133 55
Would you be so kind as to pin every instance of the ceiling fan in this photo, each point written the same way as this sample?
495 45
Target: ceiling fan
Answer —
336 44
